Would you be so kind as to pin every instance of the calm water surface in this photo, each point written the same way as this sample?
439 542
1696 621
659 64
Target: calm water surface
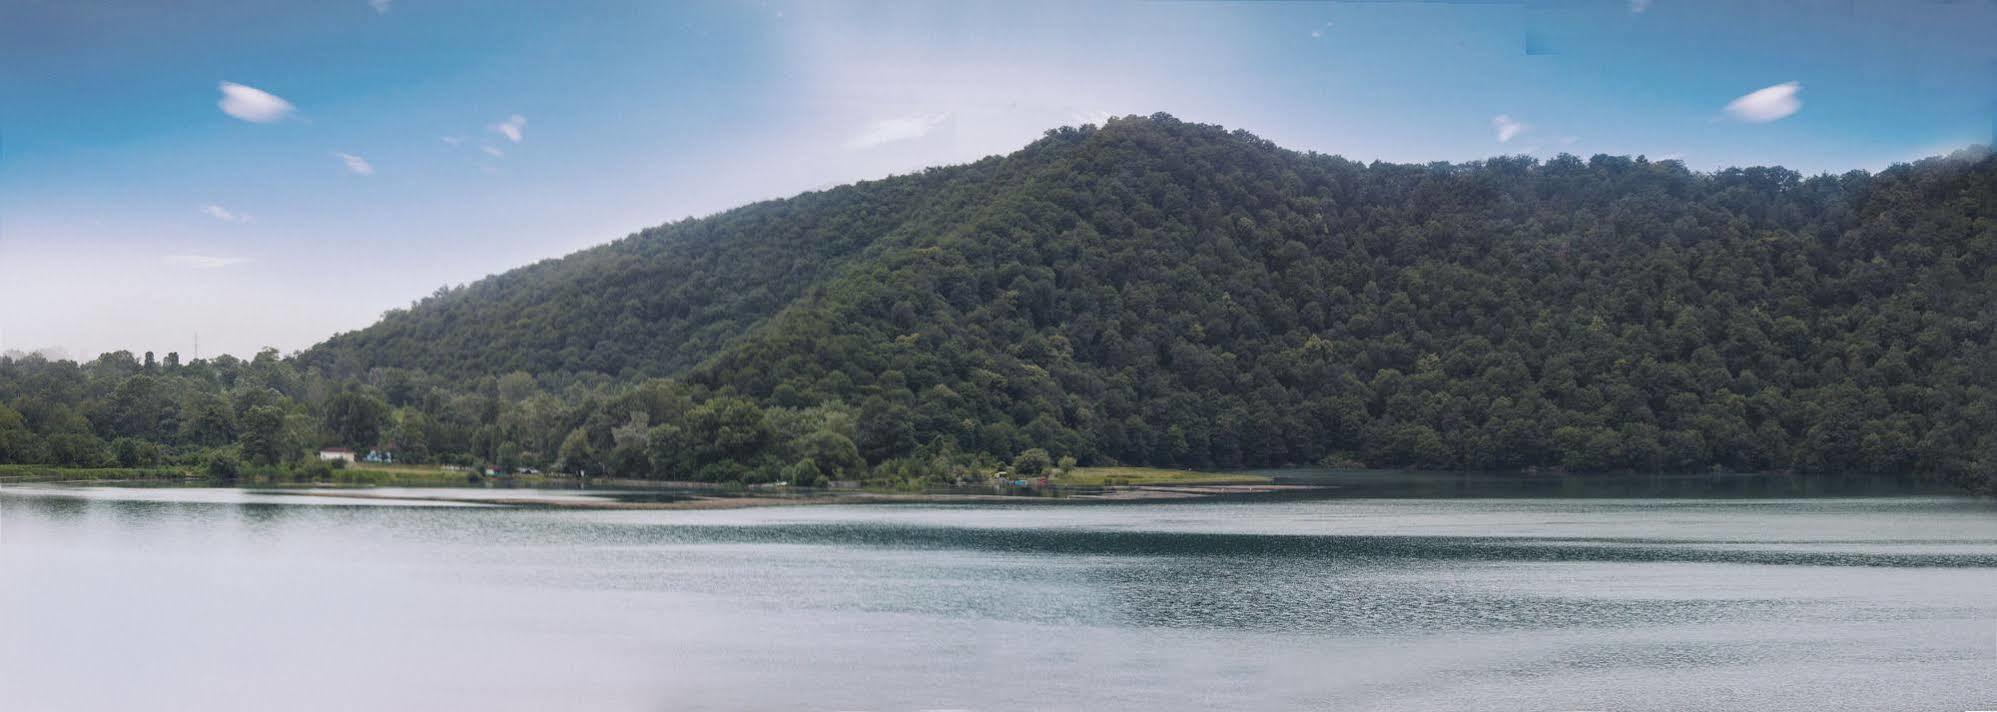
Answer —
230 599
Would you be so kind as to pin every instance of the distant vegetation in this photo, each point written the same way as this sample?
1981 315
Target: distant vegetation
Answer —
1157 293
1106 476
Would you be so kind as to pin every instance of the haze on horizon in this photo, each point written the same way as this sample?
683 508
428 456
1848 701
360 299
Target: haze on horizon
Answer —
270 175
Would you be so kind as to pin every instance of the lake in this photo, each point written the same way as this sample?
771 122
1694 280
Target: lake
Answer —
217 599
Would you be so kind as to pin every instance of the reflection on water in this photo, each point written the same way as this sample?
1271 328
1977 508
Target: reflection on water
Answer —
233 599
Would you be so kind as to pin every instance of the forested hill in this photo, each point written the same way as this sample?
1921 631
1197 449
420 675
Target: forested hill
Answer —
1172 293
659 301
1160 292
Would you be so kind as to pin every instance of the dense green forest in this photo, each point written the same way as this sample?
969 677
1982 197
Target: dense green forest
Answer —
1157 292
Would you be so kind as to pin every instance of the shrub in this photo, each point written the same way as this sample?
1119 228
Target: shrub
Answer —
316 470
133 452
223 465
78 450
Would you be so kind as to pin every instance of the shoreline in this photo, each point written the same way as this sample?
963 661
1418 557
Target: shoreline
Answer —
1134 493
1086 485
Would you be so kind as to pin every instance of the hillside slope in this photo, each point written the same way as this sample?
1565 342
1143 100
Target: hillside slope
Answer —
1161 292
661 300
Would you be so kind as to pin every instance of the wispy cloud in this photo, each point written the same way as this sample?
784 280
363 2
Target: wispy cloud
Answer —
1319 31
1507 127
225 215
381 6
510 128
204 261
356 164
493 152
453 140
886 131
1638 6
1768 104
252 104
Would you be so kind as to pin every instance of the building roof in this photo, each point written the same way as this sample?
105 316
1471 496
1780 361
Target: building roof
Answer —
334 449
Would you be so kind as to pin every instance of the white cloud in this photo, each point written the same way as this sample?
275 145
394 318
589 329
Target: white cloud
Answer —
1768 104
380 6
454 140
886 131
493 152
225 215
1319 32
1507 127
1098 117
510 128
1671 157
204 261
356 164
1638 6
252 104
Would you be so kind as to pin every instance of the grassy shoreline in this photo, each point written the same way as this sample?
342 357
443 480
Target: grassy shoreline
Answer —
1145 476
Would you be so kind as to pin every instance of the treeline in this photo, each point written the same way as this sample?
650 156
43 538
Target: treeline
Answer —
1164 293
227 417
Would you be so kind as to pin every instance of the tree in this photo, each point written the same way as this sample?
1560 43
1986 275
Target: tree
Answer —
411 433
509 457
577 455
17 442
264 441
724 429
516 387
207 421
20 445
1033 461
355 418
222 465
133 452
77 450
831 453
137 408
630 454
804 473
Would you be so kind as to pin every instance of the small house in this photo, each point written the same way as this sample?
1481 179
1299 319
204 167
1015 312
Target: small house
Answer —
335 453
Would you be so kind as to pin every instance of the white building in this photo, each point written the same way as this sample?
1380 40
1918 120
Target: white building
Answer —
336 453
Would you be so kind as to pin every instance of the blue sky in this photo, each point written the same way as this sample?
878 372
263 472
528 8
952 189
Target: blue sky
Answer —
369 152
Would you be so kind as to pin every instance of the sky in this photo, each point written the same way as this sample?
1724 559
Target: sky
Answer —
258 174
